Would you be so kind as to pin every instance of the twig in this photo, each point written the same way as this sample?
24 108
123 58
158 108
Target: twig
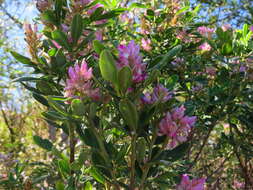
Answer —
201 148
15 20
12 133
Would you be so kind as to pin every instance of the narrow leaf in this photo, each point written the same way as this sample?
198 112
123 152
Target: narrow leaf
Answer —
61 38
76 27
43 143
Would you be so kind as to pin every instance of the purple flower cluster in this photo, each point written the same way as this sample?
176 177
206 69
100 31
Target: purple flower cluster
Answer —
194 184
160 93
146 44
79 83
251 28
205 47
42 5
129 55
176 126
205 31
80 3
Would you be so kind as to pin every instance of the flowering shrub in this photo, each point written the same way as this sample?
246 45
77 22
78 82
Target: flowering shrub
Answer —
134 110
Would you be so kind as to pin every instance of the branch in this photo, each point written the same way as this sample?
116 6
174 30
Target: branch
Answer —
15 20
201 148
8 124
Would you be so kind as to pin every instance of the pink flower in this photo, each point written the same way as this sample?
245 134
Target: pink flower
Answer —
176 126
238 185
29 30
79 82
127 17
242 69
145 44
183 35
58 46
99 35
93 9
42 5
205 31
187 184
144 31
81 3
251 28
177 61
129 55
197 88
160 93
225 27
65 28
211 71
205 47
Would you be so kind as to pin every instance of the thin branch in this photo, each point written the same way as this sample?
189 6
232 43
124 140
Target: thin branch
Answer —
15 20
12 133
201 148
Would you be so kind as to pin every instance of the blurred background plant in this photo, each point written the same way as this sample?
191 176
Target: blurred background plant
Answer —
19 116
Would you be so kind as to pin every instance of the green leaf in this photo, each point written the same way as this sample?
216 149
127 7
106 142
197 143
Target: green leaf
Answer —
96 175
52 52
108 67
76 27
61 38
98 46
26 79
86 40
166 58
83 156
176 153
32 89
44 87
227 49
96 14
64 167
58 154
88 186
57 106
59 9
245 30
54 116
129 113
43 143
171 82
125 79
60 59
186 8
49 17
150 13
78 107
152 77
22 59
220 34
76 165
59 185
138 5
40 99
141 149
87 137
111 14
